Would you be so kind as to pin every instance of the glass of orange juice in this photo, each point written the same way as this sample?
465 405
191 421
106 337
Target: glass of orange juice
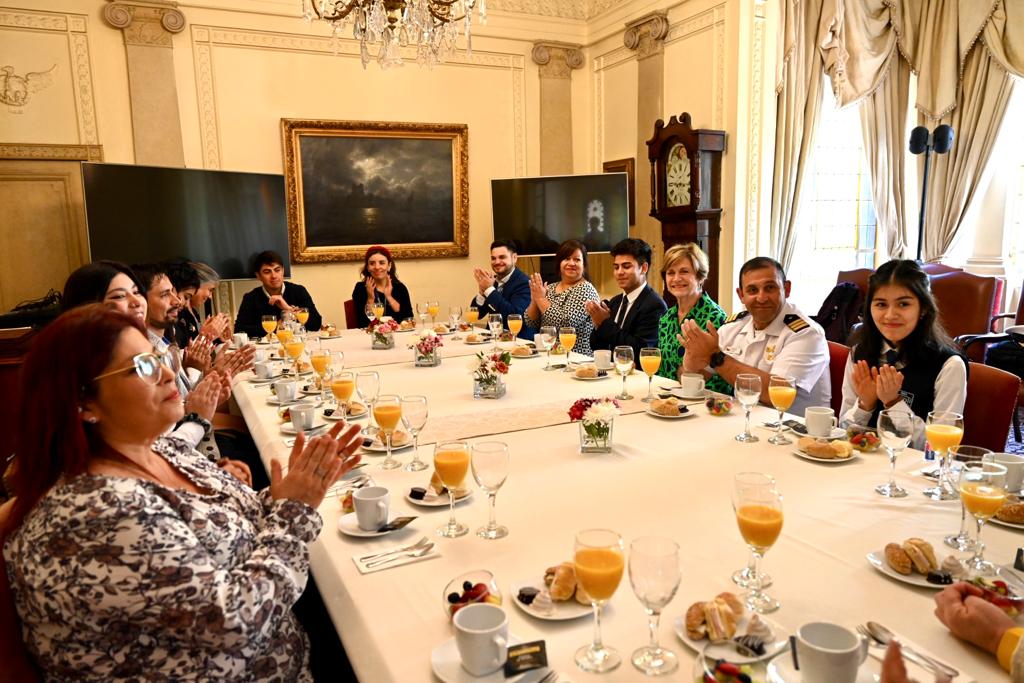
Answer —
451 462
650 361
943 430
378 309
387 411
599 559
321 362
782 393
472 315
343 383
983 492
758 508
567 340
433 308
515 324
269 324
302 315
295 345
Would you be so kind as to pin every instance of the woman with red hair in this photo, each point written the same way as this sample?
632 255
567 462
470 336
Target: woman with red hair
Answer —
132 556
380 284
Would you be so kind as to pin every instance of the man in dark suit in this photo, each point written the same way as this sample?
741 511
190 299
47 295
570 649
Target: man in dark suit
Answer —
273 296
505 290
630 318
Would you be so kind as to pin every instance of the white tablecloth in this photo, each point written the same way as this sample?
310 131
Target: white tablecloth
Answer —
671 478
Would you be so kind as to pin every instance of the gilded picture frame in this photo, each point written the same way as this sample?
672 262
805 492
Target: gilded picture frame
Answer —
351 184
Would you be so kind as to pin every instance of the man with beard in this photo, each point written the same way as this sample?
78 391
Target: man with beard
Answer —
506 289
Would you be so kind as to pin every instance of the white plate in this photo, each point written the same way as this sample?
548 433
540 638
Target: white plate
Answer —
433 500
780 643
477 343
382 449
877 560
348 525
564 610
332 336
590 379
678 393
336 416
828 461
1008 525
780 670
289 428
445 662
532 355
264 380
680 416
273 400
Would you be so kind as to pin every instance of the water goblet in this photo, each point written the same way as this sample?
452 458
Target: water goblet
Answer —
368 386
451 462
895 429
654 574
782 393
758 508
748 393
387 411
964 540
599 562
414 417
943 430
454 315
983 491
545 340
623 358
650 361
490 469
495 324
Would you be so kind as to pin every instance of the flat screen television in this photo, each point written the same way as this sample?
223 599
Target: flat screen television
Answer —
541 213
142 214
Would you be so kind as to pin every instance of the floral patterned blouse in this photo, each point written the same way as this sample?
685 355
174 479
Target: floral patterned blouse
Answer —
568 310
117 578
672 351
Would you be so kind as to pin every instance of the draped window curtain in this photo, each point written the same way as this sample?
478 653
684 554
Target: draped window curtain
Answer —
963 52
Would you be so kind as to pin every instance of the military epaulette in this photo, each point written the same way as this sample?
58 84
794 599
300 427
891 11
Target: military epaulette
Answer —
738 316
795 322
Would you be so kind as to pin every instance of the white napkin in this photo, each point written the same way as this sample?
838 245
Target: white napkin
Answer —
407 559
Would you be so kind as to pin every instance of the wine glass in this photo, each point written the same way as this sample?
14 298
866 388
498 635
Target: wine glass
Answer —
472 315
623 357
302 315
451 462
490 469
368 386
414 417
650 361
748 393
944 429
895 428
454 315
964 539
295 345
321 362
368 310
782 393
269 323
433 308
654 574
378 309
495 325
599 561
983 491
545 341
387 411
342 386
758 508
567 338
515 323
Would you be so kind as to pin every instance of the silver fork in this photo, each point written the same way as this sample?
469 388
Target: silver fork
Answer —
412 546
419 552
908 654
552 677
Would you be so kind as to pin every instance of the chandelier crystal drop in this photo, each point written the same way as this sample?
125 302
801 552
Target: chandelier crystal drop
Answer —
384 27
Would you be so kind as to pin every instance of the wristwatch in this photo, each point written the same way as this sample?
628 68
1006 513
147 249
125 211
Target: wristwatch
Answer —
717 358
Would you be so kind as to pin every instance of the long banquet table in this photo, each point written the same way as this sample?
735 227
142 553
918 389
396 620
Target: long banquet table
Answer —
671 478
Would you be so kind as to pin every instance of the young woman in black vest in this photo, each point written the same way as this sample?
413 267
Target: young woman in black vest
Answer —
902 358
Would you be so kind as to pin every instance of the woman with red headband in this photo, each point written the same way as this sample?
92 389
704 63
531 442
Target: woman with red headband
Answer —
380 284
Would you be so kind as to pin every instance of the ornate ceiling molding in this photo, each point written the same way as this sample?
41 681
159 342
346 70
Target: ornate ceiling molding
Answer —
565 9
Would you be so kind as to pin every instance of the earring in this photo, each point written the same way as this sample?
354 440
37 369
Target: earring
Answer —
92 420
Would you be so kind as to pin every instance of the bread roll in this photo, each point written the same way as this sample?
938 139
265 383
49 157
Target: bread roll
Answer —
563 585
695 626
1012 512
665 406
586 371
898 559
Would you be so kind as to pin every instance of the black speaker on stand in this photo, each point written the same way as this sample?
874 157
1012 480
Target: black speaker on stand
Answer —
940 140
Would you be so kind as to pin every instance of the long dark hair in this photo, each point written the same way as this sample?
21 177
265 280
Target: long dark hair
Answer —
928 335
89 284
52 440
386 253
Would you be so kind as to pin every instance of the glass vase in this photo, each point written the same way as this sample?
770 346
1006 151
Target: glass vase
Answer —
492 389
383 341
426 360
596 436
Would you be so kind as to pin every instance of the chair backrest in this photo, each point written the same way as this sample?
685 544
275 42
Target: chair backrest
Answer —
988 411
966 303
858 277
350 314
939 268
837 354
17 663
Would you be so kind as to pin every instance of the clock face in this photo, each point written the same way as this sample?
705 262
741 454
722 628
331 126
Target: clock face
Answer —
677 176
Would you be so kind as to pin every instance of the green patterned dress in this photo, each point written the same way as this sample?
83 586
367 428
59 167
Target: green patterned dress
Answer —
672 351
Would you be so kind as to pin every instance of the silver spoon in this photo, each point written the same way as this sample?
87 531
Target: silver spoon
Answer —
409 553
883 635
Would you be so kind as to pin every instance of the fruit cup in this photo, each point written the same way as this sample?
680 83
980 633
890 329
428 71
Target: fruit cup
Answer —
718 405
863 439
465 589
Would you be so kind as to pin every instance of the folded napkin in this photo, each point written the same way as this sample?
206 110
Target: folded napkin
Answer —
405 559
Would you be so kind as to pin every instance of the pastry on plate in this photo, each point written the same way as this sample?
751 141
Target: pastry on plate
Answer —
441 329
522 351
828 450
714 619
666 406
921 555
473 337
408 324
1012 511
587 371
897 559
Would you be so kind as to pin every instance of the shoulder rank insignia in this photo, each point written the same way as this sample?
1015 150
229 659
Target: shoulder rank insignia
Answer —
795 322
738 316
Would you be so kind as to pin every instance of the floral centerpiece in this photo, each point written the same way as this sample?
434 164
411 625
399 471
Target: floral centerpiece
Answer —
489 371
425 350
383 332
597 418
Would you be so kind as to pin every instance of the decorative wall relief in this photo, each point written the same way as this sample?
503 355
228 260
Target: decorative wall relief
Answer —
16 90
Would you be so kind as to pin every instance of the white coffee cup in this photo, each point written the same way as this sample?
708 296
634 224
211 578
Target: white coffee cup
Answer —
240 339
260 355
829 652
481 635
371 504
693 384
820 421
264 369
302 416
286 389
1014 465
603 359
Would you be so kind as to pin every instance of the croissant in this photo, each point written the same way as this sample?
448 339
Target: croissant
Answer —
563 585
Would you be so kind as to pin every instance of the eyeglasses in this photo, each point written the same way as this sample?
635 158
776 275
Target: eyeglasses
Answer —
147 366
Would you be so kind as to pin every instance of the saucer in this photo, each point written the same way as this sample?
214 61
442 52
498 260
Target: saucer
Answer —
289 428
680 416
564 610
680 394
828 461
590 379
447 666
354 415
877 560
435 501
780 670
348 525
779 644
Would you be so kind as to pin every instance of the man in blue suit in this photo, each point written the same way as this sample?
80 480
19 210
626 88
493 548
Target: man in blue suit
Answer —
505 290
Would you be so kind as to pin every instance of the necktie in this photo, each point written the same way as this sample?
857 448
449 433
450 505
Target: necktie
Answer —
620 314
890 357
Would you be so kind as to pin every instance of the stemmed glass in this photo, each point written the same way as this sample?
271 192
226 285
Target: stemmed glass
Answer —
387 411
983 491
295 345
414 417
545 341
895 429
650 361
433 308
515 323
944 430
368 386
378 309
321 362
495 325
490 469
472 315
748 393
342 386
599 560
758 508
623 358
302 315
963 540
782 392
454 314
654 574
567 338
269 323
451 462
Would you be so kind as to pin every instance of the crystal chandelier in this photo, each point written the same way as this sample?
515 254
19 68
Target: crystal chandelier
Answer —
431 25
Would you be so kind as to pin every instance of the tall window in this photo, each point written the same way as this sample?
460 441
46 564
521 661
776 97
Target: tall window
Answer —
836 220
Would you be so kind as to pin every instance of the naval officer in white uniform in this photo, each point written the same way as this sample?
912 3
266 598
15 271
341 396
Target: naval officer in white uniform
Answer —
769 337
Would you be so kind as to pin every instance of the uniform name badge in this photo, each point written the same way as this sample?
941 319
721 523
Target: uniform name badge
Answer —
769 353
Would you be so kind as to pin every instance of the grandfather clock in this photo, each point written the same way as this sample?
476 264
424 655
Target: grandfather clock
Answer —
686 188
